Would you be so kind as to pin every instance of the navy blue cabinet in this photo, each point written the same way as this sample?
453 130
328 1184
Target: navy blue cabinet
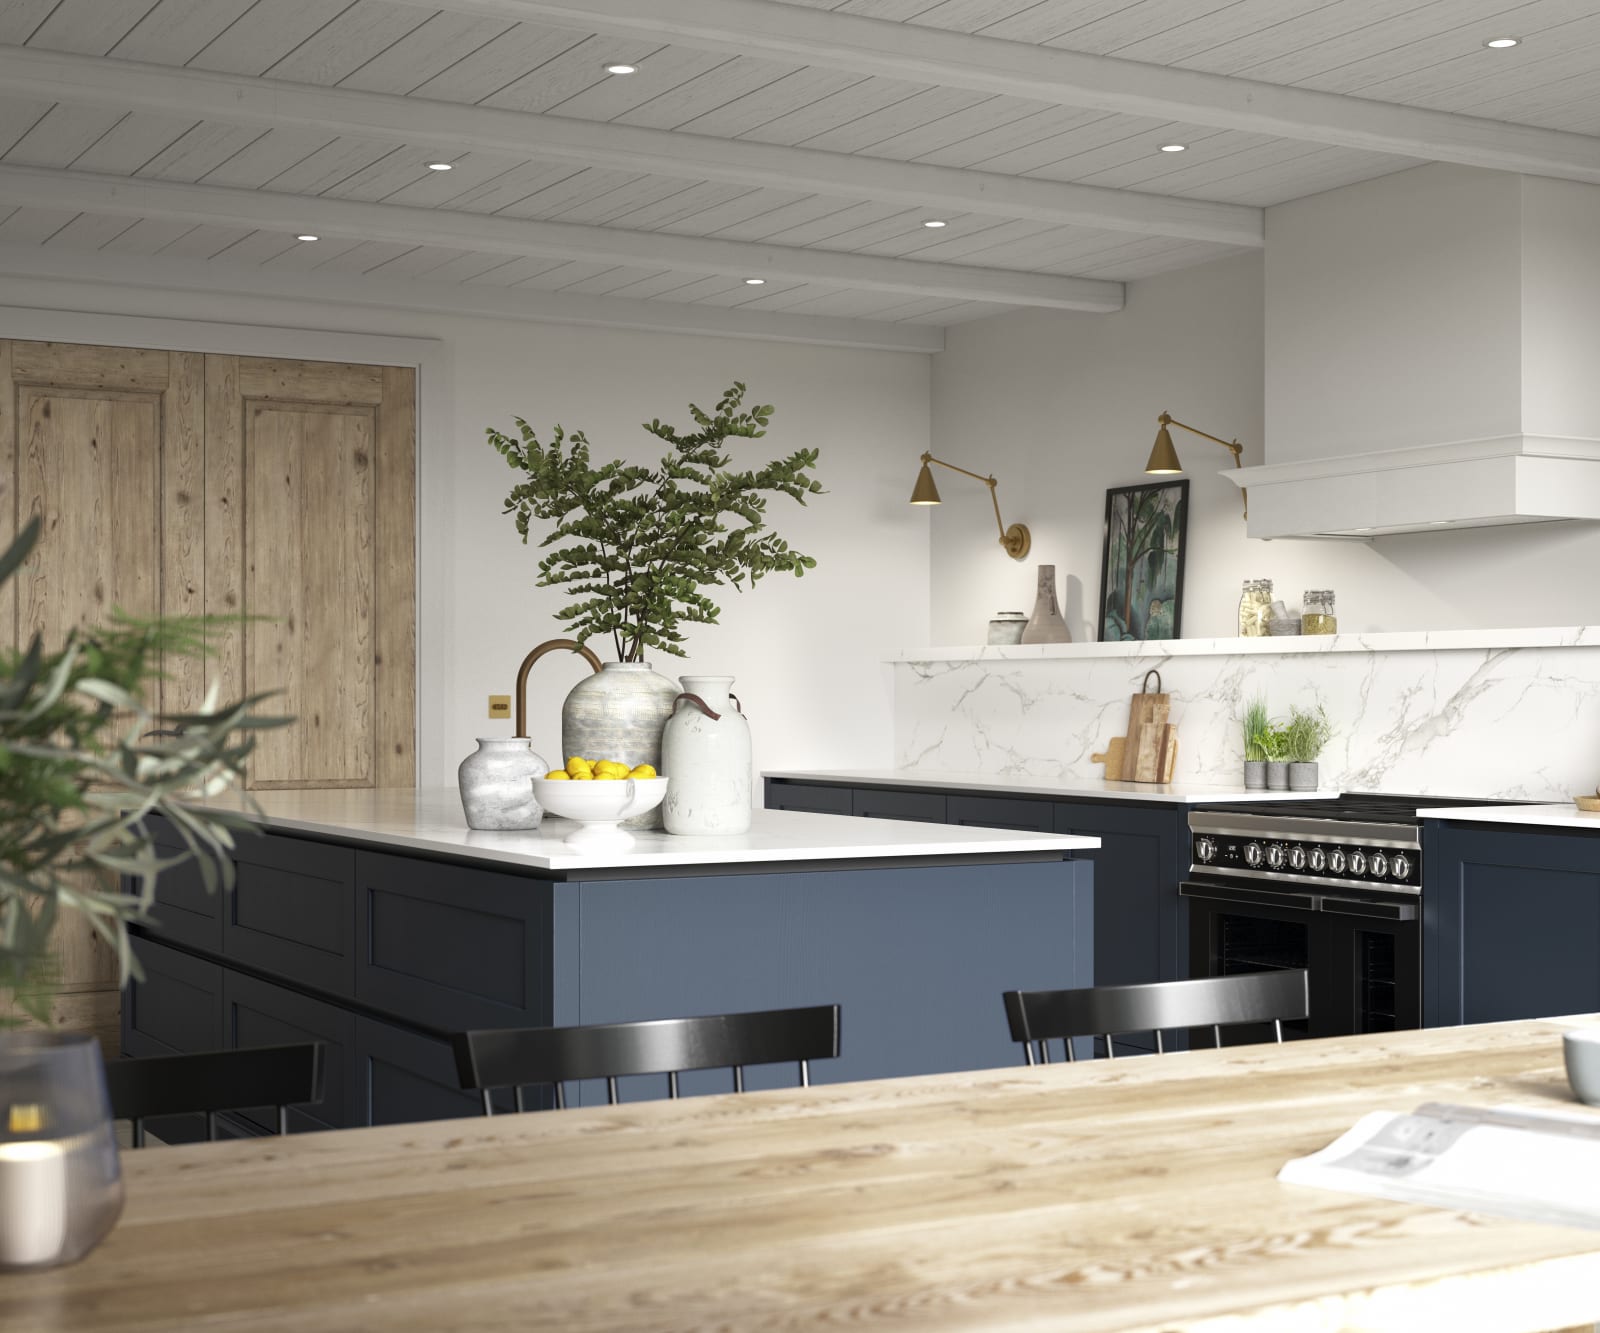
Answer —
1511 923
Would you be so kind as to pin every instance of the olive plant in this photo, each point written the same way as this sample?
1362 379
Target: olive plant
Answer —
84 759
638 544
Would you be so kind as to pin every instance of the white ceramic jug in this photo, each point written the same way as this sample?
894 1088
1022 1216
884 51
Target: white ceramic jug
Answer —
705 751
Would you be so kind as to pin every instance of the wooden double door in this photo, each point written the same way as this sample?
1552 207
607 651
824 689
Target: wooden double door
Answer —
280 492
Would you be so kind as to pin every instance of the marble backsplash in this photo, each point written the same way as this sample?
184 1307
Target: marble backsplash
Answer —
1511 717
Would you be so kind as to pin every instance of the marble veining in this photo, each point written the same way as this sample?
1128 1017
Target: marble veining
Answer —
1513 720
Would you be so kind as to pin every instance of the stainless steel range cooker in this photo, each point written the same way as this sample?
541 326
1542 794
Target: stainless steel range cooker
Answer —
1331 885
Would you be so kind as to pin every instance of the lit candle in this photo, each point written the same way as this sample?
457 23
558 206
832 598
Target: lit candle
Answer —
33 1202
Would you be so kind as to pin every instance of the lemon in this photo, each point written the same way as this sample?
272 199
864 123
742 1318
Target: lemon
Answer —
585 776
559 775
577 764
610 777
610 768
642 771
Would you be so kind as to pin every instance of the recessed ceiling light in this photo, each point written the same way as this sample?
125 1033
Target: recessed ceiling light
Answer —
1174 147
1501 43
935 222
441 166
622 68
305 236
755 282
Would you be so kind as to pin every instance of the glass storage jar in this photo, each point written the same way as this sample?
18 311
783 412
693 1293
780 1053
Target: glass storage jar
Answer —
1255 606
1317 616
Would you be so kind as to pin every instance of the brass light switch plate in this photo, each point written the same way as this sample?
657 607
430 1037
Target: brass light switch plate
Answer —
500 706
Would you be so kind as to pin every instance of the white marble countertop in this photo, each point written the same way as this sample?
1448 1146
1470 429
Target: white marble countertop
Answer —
430 820
1004 784
1566 815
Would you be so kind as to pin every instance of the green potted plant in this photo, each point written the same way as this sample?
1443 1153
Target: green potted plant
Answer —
1255 725
1307 731
84 760
639 547
1275 744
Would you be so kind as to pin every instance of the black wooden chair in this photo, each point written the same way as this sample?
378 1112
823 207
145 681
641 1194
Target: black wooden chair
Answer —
214 1081
514 1058
1040 1016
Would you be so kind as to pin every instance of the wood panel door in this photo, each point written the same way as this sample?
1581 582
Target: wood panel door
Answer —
175 483
310 491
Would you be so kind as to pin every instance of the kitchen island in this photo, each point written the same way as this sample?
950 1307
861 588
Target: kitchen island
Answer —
1084 1198
376 922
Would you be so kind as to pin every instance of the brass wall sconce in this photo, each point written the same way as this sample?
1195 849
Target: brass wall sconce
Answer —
1164 458
1016 539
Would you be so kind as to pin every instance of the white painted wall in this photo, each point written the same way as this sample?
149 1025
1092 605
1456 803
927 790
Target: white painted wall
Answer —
1061 406
808 654
1393 314
1560 307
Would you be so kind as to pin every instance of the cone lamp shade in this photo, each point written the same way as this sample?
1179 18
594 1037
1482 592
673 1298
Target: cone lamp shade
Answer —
1163 458
925 492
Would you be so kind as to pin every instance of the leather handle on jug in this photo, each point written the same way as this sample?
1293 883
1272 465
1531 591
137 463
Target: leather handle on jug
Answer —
699 703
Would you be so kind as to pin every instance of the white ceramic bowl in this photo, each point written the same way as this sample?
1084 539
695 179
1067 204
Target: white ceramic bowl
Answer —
598 807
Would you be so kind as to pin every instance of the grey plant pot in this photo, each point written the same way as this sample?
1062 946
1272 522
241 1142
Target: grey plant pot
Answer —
1255 774
1303 777
1277 775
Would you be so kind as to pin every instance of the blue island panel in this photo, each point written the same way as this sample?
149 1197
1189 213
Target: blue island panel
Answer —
917 958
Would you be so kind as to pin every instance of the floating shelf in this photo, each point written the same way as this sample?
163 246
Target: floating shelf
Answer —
1401 641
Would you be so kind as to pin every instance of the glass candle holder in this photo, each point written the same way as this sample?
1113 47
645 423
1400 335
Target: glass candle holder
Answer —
60 1177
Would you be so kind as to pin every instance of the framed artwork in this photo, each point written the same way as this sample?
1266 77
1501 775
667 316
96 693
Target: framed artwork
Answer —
1141 562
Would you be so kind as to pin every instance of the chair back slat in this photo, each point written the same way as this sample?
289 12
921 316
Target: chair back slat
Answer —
513 1057
1104 1011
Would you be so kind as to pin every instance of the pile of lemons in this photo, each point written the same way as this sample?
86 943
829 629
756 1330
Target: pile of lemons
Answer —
579 769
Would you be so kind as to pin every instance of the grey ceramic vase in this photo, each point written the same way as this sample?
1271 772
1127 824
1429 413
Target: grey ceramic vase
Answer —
619 714
496 784
1277 775
1046 624
1255 774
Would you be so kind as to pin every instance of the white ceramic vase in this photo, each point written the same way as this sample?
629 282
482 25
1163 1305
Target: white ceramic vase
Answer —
705 750
496 784
618 714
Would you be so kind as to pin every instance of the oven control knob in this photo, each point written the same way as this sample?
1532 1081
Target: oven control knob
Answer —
1401 865
1318 860
1336 861
1275 858
1380 864
1204 849
1297 858
1358 863
1252 854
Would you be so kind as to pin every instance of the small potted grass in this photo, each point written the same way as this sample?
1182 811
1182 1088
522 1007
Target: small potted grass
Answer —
1256 724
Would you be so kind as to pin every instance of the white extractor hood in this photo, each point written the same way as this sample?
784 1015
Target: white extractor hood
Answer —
1471 484
1432 339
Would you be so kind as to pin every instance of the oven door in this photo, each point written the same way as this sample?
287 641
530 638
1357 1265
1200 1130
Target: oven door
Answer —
1363 951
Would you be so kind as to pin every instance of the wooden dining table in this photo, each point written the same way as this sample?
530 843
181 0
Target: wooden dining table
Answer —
1139 1193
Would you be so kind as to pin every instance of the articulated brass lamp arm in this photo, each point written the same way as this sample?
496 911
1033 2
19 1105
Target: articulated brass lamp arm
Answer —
1016 539
1164 458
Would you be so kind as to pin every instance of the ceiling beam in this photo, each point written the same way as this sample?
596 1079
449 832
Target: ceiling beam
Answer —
267 210
36 272
453 128
919 54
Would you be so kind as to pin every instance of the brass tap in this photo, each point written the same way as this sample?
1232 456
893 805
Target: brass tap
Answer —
549 646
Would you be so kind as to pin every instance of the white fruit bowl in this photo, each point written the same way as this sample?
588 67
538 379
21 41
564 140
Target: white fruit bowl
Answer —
599 807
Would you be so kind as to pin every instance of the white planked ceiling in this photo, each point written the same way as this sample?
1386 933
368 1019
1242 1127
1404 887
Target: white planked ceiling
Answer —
1403 52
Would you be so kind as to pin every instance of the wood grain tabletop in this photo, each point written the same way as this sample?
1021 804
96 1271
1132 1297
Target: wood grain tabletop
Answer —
1131 1194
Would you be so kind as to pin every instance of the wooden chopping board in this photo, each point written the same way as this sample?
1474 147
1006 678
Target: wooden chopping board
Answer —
1147 721
1116 747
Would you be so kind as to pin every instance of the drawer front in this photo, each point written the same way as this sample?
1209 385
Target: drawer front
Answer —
184 912
926 807
802 796
177 1008
292 912
1002 812
401 1076
257 1013
452 947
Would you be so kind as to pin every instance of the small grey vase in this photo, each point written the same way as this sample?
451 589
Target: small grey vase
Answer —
1277 775
1046 625
1255 774
1303 777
